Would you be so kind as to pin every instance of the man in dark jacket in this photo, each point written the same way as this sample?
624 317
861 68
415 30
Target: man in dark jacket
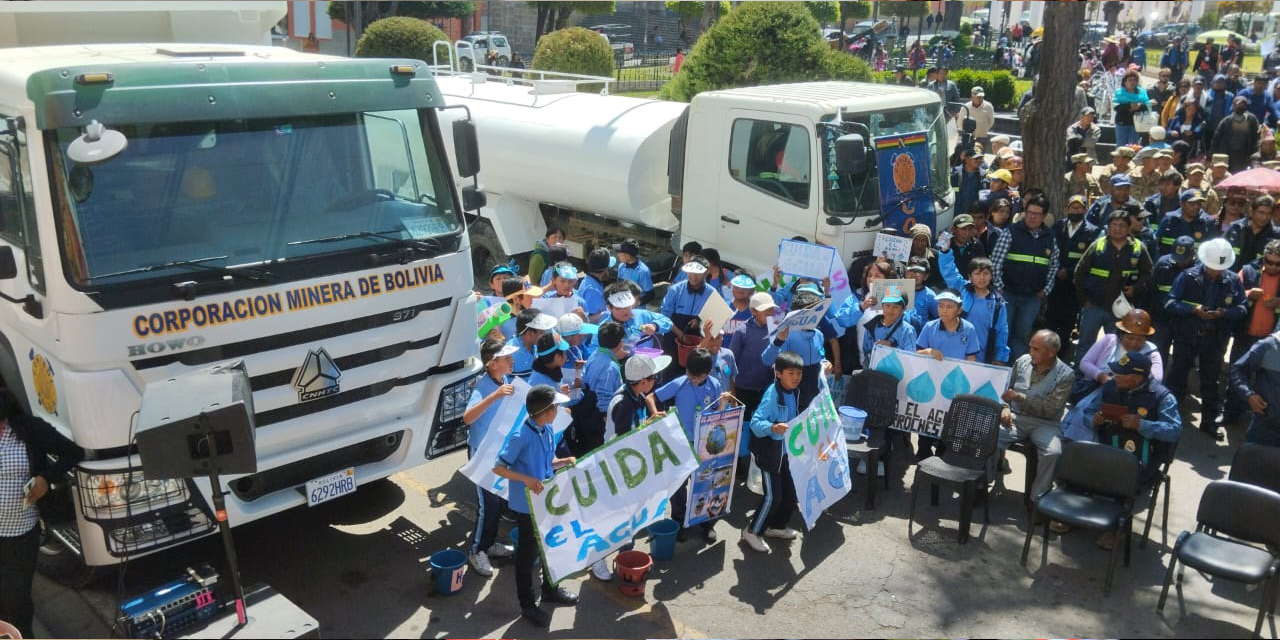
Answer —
1073 234
1237 135
26 445
967 179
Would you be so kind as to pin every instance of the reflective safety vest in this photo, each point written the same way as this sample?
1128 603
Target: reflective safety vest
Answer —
1026 268
1127 260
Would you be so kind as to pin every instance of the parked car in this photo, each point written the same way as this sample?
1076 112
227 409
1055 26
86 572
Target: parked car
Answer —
474 49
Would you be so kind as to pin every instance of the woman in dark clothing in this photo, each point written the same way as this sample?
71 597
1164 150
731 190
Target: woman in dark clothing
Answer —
26 443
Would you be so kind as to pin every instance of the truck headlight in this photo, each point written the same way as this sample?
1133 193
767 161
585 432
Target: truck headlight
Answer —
118 492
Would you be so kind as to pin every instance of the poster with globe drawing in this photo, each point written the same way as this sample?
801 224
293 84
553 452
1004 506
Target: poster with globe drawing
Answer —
717 434
903 162
926 386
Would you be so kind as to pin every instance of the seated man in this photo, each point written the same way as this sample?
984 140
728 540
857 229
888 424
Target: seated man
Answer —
1138 414
1035 401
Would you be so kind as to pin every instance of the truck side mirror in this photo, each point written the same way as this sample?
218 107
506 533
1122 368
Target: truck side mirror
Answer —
465 148
473 198
851 154
8 266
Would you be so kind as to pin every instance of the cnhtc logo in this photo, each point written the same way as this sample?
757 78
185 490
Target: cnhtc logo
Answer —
317 377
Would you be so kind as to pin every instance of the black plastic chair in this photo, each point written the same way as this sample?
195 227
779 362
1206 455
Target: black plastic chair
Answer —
875 392
1167 451
1028 449
1257 464
1096 488
1246 513
969 436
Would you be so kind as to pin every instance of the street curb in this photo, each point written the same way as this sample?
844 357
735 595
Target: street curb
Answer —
65 613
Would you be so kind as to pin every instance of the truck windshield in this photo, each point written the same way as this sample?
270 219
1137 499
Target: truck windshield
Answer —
861 193
215 197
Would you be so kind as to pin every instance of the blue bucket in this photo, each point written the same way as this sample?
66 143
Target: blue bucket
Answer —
447 569
853 420
662 544
514 534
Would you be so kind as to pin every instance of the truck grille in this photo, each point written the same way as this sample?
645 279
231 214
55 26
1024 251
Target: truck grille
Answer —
252 487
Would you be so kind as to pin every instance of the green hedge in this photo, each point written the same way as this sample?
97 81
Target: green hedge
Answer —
399 37
575 50
999 86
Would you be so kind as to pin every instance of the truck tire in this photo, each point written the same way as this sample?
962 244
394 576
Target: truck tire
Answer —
486 252
59 563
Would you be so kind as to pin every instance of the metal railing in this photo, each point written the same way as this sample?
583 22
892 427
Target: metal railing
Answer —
542 82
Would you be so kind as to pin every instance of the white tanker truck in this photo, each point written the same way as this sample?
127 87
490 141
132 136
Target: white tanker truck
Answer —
737 169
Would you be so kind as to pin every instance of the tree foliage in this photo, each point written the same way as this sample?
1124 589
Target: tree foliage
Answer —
1051 110
425 10
693 10
574 50
854 11
399 37
1243 6
762 43
823 12
905 8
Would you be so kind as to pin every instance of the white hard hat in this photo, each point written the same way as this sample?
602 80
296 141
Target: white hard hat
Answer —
1216 254
1156 133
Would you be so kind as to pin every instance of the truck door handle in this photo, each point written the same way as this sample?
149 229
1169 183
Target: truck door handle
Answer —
730 220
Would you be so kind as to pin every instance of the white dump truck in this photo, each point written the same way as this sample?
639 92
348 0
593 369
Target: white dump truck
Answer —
173 205
736 169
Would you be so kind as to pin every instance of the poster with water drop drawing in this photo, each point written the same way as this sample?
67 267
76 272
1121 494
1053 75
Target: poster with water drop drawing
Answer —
926 386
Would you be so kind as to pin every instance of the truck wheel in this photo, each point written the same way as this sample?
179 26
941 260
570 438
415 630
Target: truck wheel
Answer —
58 562
486 251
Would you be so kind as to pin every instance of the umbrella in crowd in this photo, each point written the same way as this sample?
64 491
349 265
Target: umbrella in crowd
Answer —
1259 179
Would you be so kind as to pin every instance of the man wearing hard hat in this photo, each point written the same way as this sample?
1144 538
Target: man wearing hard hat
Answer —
1205 300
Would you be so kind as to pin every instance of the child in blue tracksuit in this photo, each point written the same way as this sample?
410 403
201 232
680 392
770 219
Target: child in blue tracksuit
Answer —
488 393
779 405
692 394
807 344
981 306
530 325
528 459
601 378
950 336
632 268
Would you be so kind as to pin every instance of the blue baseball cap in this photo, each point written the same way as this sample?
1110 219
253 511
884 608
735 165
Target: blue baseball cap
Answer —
1121 180
811 288
1191 195
566 271
1184 248
1132 362
743 281
558 345
502 268
893 296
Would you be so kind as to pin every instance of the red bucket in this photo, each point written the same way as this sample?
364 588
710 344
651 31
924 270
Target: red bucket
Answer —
632 568
685 346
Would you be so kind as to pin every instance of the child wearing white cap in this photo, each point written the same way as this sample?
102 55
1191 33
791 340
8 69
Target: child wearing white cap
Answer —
490 389
638 322
530 325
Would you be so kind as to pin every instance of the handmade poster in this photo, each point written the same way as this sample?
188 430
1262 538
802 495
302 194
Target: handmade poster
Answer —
717 438
717 311
592 508
892 247
805 259
905 199
801 319
818 458
554 306
906 286
511 412
926 386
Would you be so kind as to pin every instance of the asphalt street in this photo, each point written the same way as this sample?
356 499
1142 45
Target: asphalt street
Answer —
359 566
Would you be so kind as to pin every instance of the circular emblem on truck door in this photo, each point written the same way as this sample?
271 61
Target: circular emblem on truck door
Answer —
42 378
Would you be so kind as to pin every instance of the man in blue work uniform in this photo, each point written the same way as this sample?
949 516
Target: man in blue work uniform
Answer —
1100 211
1073 235
1255 377
1113 264
631 267
1188 221
1204 301
1166 271
683 303
528 459
1026 266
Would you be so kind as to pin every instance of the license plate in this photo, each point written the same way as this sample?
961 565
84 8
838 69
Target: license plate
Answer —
334 485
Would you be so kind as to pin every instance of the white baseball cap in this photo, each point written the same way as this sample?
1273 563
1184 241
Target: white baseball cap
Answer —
543 322
640 366
761 301
571 324
622 299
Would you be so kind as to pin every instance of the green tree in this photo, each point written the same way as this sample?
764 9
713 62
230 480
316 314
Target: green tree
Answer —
824 12
762 43
574 50
1208 21
425 10
693 10
853 11
399 37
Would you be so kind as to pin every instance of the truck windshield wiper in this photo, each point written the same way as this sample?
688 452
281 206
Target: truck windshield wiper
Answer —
197 264
429 244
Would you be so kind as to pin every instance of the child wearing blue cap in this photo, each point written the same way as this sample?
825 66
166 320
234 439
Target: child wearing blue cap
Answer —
528 459
632 268
564 279
889 327
550 355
